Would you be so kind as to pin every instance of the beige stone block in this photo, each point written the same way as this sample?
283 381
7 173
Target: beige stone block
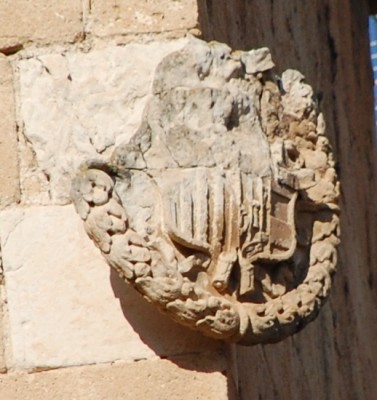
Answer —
87 102
199 378
38 20
2 350
66 308
9 188
139 16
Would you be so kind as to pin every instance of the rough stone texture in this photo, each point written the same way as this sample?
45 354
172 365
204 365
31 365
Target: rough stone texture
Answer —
335 357
64 306
183 378
86 103
9 188
24 21
2 328
2 320
136 16
222 209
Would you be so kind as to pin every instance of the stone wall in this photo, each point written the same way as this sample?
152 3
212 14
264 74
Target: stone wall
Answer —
74 78
335 357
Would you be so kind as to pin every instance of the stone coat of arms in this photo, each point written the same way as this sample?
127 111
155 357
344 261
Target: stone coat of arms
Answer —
222 209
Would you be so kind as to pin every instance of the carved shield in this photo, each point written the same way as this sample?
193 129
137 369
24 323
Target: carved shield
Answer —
222 209
228 214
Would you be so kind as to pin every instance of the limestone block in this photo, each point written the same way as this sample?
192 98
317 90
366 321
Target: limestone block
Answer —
152 380
2 351
65 307
40 21
137 16
86 103
2 358
9 188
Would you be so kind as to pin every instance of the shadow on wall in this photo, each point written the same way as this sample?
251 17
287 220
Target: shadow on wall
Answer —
184 347
328 42
286 28
164 336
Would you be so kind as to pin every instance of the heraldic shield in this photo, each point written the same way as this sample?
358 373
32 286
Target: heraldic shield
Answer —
222 208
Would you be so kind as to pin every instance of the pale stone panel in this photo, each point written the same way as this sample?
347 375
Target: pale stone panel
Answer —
75 106
9 188
141 16
39 20
65 308
200 379
2 350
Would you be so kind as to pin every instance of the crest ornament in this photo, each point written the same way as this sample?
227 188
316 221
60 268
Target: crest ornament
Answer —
222 208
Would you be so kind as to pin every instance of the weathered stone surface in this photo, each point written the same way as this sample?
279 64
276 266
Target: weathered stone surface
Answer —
2 328
185 378
336 357
222 209
38 21
9 188
137 16
65 308
86 103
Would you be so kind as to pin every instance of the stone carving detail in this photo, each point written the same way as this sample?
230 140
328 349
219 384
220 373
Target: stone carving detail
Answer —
222 209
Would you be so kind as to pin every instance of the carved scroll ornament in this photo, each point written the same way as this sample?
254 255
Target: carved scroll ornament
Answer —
222 209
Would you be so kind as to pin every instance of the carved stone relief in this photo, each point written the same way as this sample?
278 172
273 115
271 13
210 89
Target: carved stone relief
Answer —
222 209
